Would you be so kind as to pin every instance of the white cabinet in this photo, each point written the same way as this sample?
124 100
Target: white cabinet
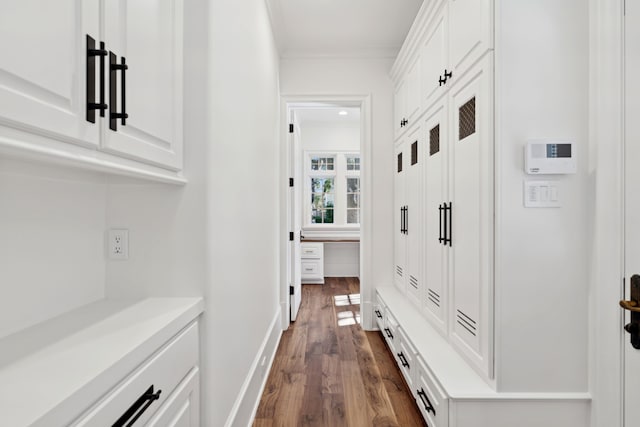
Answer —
60 62
312 262
436 247
432 401
153 52
458 34
182 408
408 202
407 101
444 262
471 214
449 392
42 68
153 386
434 54
470 32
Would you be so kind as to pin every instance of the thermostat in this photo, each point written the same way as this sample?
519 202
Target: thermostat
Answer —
550 157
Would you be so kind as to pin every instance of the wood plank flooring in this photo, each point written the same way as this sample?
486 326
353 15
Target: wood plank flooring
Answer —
329 372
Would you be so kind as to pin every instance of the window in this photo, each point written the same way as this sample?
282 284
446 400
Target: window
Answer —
322 200
332 185
353 163
322 163
353 200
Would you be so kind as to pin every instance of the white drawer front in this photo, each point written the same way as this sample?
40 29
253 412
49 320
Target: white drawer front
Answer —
390 331
311 269
406 356
311 250
164 370
431 400
378 314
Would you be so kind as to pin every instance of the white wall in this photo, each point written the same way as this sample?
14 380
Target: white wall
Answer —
359 76
341 259
51 242
243 201
330 136
542 270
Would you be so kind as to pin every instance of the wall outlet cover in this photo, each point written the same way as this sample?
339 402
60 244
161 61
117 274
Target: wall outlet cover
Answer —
118 244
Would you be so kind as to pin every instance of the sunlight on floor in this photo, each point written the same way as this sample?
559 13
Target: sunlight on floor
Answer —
346 318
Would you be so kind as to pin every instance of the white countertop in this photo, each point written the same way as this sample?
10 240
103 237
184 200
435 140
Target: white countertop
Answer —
52 372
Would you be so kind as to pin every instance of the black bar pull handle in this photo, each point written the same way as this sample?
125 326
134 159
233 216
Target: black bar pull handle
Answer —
388 332
426 402
138 408
403 360
445 239
450 238
447 75
440 209
114 67
378 314
406 220
92 105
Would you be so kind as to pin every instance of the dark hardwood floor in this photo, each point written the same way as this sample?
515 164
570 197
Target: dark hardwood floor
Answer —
329 372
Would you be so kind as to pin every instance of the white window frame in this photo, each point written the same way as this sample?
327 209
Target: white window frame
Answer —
339 175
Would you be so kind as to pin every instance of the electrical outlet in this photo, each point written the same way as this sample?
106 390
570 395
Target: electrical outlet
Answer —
118 244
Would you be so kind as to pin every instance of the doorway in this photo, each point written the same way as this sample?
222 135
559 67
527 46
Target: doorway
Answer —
325 159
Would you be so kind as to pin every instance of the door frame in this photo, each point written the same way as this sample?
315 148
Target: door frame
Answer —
363 101
606 143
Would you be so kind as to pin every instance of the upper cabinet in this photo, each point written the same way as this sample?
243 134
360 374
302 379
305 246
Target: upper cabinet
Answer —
446 40
153 89
94 84
42 68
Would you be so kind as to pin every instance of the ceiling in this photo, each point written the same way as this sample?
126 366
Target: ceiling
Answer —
362 28
327 115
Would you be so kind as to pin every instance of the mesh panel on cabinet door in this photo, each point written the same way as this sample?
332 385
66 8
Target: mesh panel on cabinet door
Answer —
467 119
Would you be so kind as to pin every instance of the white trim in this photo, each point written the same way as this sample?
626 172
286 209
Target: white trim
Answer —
248 390
606 147
366 207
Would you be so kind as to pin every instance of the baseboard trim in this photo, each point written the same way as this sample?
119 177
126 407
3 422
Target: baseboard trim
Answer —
246 404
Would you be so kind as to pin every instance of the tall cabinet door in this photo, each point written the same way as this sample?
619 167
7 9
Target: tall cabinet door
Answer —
414 219
470 32
43 67
149 35
435 191
434 58
399 241
471 194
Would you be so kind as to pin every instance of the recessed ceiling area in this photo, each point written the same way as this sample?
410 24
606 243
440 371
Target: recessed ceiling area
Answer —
327 115
369 28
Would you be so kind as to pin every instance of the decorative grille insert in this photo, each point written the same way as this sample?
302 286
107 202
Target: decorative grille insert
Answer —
399 271
414 153
434 297
399 162
467 322
467 119
434 140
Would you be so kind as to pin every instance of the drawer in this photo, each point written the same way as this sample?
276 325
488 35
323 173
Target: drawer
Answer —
164 371
390 331
311 269
406 356
311 250
431 400
379 309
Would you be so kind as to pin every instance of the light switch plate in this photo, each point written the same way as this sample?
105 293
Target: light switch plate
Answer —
541 194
